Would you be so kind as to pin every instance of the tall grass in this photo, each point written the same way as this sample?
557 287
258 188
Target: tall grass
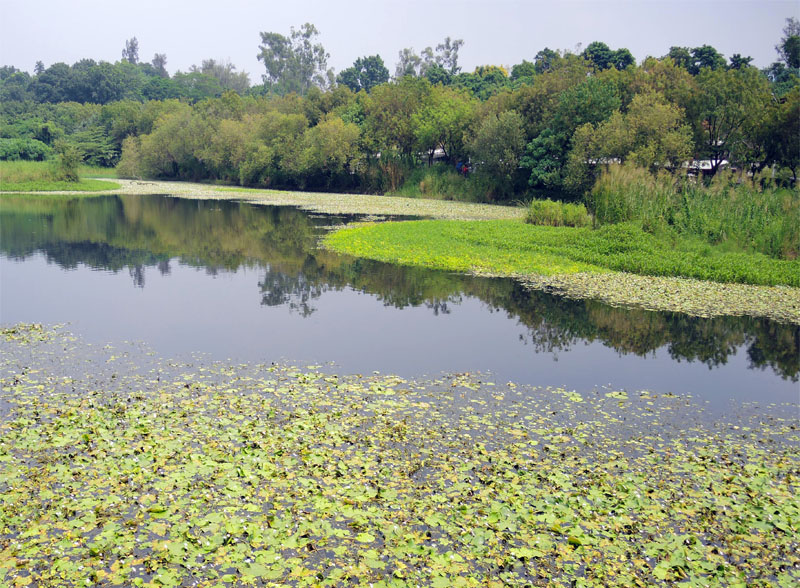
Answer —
38 176
557 214
440 182
15 172
741 215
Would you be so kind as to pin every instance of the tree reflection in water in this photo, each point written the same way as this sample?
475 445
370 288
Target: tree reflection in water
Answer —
136 232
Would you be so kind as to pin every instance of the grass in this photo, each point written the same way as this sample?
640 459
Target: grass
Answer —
516 248
39 176
732 212
121 468
557 214
440 182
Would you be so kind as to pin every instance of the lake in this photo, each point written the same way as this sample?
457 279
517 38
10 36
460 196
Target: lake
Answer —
248 283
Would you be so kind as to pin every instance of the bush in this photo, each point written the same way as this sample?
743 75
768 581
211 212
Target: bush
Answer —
68 162
557 214
24 150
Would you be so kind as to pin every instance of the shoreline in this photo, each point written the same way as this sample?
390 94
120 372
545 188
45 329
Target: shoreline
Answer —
670 294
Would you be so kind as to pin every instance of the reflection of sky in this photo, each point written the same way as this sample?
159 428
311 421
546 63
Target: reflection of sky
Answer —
189 310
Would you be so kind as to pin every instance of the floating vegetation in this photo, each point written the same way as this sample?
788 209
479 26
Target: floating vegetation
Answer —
119 468
693 297
324 203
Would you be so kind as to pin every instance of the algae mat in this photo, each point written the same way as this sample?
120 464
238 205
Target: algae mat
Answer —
119 468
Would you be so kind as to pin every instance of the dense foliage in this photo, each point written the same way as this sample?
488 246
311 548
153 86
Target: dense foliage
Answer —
551 124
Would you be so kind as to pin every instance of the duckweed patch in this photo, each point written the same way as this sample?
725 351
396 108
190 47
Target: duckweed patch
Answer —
119 468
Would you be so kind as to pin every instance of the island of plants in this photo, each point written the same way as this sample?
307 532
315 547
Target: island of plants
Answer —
696 249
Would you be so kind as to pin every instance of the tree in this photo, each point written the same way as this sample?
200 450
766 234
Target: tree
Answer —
294 63
622 59
52 85
602 57
38 68
408 63
599 55
15 87
725 102
738 62
443 120
651 133
484 82
131 51
591 101
693 60
496 147
389 112
526 69
545 60
160 64
706 56
329 149
682 57
445 56
789 47
225 74
365 74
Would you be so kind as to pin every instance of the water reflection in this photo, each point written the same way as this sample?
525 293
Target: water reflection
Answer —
132 233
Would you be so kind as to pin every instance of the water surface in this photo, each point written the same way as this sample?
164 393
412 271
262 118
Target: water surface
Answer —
248 283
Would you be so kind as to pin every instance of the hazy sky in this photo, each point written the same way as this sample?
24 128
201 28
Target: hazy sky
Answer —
502 32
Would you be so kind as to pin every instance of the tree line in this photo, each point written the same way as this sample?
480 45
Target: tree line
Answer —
549 124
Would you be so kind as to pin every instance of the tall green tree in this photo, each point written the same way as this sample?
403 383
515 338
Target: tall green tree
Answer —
389 116
225 73
443 121
546 59
294 63
131 51
694 60
652 133
445 56
725 102
602 57
495 148
159 64
591 101
789 47
365 74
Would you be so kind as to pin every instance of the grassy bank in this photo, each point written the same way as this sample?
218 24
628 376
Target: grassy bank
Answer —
42 176
515 248
618 264
121 468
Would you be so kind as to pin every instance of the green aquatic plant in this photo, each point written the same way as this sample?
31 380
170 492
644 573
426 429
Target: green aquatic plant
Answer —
120 468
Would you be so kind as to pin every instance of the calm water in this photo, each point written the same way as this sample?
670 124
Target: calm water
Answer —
247 283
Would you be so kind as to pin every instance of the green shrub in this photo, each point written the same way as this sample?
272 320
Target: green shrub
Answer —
68 162
24 150
557 214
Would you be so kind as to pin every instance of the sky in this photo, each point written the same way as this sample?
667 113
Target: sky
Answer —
497 32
